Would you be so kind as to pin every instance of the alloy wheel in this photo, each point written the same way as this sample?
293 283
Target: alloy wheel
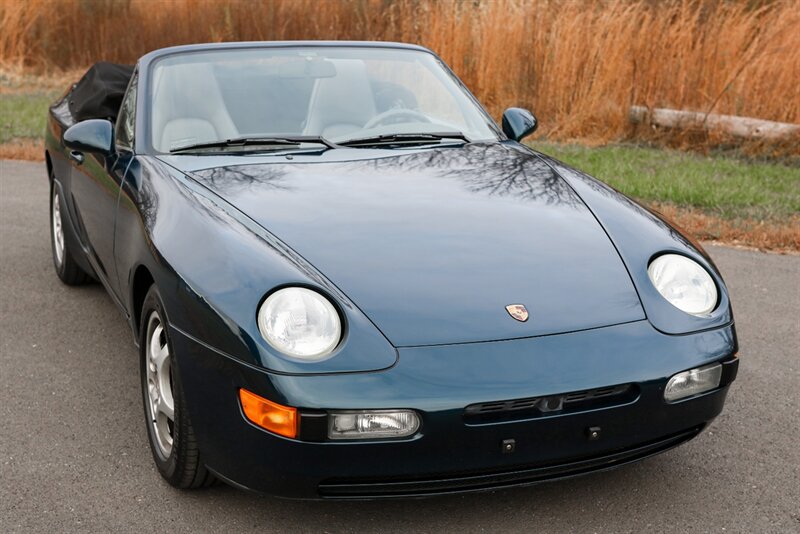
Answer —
161 403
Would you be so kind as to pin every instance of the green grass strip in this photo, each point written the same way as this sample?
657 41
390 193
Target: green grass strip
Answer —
725 186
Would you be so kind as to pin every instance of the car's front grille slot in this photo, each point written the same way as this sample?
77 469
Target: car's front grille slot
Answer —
595 393
576 401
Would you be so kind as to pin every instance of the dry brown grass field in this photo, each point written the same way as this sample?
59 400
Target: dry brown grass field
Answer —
579 64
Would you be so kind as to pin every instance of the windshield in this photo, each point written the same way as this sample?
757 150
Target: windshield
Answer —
337 93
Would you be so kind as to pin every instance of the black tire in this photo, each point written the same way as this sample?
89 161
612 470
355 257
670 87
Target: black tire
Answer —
181 465
67 268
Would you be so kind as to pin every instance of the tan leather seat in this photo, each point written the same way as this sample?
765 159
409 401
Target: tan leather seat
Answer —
341 104
188 107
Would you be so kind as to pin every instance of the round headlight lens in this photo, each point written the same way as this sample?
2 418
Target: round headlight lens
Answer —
300 323
684 283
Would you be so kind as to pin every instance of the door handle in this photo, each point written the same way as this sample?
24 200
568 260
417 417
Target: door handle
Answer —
77 156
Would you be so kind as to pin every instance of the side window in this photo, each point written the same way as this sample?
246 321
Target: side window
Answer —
127 115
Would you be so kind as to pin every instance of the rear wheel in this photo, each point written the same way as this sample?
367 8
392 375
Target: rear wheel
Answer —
67 268
169 429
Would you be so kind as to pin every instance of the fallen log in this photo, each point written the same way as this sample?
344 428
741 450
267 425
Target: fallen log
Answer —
738 126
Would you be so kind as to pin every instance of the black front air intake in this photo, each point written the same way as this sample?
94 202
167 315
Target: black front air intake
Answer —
576 401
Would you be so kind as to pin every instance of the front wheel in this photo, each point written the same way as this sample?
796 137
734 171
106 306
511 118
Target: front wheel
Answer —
169 429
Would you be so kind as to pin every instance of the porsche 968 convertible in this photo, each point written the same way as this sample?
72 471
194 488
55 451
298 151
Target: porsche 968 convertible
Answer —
345 280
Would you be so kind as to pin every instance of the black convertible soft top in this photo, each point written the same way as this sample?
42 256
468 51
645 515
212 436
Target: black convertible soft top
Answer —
98 95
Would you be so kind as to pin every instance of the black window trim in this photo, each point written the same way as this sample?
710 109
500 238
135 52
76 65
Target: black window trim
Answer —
128 147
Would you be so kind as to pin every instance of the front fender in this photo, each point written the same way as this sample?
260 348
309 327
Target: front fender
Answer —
213 267
640 234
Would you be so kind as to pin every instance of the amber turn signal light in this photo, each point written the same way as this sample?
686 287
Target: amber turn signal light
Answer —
281 420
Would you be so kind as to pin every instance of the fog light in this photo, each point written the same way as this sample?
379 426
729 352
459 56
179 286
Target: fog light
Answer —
693 382
372 424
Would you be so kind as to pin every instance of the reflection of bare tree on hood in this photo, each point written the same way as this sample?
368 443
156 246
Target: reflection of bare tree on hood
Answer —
488 168
267 176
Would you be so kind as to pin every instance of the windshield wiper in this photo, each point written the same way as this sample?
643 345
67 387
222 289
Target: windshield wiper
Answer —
276 141
404 139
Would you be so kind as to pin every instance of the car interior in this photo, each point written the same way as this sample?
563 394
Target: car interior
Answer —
339 103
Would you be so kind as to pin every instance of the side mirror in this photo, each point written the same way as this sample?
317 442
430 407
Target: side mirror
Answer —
93 135
518 123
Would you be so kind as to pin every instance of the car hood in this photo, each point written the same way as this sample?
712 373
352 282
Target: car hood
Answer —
432 245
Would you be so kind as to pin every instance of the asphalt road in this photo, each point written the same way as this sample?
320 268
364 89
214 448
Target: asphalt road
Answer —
74 455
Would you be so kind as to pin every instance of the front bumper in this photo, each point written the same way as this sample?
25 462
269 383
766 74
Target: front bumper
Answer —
454 451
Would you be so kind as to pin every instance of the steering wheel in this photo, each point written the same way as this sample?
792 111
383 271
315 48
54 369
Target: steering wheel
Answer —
381 118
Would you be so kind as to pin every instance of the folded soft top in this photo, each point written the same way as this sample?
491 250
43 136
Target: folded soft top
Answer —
98 95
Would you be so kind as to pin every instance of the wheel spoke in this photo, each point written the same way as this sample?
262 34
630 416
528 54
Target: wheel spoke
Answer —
160 359
166 407
158 352
155 344
152 394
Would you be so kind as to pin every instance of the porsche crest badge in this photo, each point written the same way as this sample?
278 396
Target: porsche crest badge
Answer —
518 312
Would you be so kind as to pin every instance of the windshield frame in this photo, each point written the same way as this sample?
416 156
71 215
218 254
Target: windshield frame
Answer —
143 137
